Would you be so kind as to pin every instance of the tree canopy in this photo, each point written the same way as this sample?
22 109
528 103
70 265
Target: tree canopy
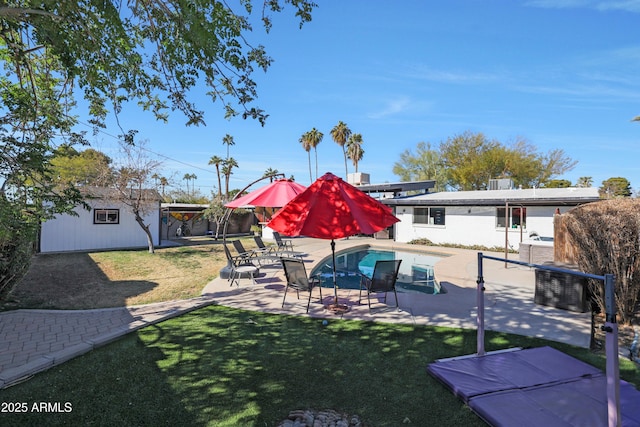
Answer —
73 167
151 52
470 160
424 165
615 187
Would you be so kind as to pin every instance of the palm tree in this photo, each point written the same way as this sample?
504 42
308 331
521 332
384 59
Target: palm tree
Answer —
163 183
228 141
187 177
340 134
584 181
304 140
227 167
193 184
271 173
190 177
354 149
315 137
217 161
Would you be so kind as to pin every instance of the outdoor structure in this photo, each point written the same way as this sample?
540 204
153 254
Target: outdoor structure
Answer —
489 218
541 385
108 224
179 215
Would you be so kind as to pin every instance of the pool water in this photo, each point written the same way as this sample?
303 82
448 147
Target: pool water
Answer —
416 270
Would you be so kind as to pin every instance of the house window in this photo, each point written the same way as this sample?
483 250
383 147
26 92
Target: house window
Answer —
106 216
432 216
517 217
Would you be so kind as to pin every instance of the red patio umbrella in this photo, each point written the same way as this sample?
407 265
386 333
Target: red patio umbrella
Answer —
331 209
274 195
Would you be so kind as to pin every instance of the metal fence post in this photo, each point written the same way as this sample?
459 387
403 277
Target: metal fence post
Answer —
611 346
480 303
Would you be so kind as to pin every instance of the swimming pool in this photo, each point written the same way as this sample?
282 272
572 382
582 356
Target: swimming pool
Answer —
416 270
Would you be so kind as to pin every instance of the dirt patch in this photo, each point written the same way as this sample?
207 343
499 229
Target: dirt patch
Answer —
116 279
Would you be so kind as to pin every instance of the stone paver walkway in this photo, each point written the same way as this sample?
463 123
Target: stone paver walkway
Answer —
35 340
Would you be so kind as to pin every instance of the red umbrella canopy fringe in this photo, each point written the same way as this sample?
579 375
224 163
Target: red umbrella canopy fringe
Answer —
330 208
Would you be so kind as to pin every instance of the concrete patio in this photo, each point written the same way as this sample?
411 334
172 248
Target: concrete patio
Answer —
509 294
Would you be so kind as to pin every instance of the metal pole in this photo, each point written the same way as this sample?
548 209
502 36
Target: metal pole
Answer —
480 303
335 279
611 346
521 224
506 232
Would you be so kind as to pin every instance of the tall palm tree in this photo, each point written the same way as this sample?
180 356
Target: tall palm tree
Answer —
193 184
163 183
228 141
187 177
354 149
340 134
227 168
304 140
217 161
315 137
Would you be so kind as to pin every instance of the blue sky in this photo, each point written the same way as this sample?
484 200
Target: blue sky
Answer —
559 73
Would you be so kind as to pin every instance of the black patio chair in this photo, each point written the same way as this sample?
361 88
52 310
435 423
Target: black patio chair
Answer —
285 246
258 255
239 265
297 278
274 250
267 249
385 275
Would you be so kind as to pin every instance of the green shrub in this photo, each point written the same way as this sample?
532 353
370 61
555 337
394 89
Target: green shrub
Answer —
17 239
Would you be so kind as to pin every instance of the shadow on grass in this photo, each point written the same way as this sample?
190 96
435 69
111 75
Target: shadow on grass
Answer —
119 384
71 281
227 367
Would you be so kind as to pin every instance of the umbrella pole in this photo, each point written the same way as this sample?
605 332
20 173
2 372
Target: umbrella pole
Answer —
336 307
335 280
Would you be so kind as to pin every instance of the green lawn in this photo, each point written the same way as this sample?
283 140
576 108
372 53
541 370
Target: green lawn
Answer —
220 366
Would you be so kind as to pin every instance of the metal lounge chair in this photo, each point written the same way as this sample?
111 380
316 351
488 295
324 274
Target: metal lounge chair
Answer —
239 266
385 275
296 276
271 249
285 246
274 250
258 255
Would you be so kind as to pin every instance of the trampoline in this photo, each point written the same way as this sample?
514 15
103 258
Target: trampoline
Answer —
541 386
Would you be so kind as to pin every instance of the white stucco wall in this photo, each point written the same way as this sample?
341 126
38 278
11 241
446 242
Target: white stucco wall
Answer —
473 225
79 233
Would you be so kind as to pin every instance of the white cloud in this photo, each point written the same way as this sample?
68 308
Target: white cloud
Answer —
601 5
430 74
398 106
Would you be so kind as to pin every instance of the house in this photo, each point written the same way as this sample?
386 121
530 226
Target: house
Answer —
108 224
488 218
